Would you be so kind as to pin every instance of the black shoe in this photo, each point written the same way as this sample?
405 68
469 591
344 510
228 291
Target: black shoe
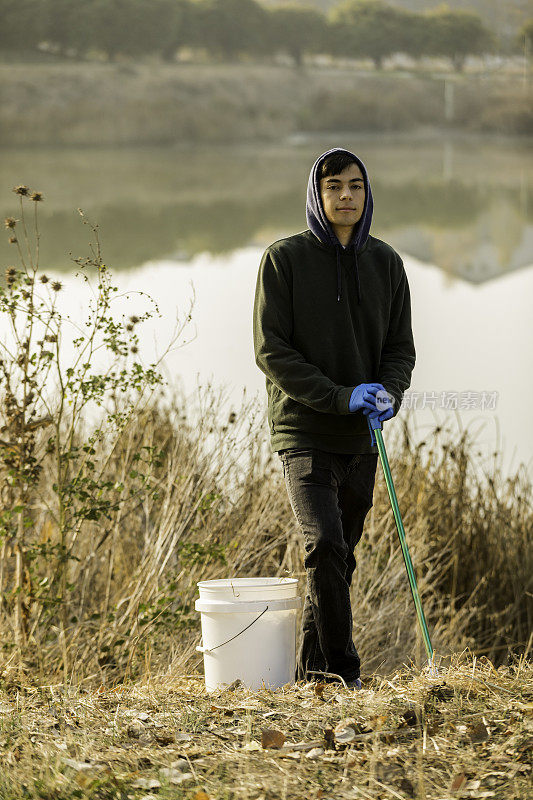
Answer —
354 685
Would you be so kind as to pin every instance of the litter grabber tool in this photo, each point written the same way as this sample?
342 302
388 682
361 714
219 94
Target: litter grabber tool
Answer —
375 431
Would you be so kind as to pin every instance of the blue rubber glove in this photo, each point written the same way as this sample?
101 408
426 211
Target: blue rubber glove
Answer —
384 407
364 397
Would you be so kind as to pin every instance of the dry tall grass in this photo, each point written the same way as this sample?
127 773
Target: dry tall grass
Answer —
223 511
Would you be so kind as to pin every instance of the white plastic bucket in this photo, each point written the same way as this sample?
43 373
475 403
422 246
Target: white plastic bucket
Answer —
248 631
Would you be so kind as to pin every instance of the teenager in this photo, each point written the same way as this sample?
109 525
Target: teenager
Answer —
332 334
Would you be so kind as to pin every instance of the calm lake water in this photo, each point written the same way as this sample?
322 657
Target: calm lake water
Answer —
175 222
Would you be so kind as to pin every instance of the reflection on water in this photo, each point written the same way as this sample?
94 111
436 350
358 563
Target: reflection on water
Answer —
465 343
463 206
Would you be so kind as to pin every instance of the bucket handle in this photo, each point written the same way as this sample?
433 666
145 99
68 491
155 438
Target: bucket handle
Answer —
203 649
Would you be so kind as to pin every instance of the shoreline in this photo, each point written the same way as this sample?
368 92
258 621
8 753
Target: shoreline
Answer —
297 139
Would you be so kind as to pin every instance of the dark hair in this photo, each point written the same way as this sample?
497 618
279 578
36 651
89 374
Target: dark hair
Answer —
335 164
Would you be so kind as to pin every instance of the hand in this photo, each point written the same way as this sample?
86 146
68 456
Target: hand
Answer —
364 397
384 407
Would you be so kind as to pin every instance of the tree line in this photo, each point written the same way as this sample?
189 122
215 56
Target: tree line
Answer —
231 29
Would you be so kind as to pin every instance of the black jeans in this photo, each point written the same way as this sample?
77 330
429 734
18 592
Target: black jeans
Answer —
330 495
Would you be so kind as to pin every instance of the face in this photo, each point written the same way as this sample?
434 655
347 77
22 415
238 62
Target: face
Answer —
343 196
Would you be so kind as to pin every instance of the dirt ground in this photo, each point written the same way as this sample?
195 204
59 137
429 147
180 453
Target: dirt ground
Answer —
466 732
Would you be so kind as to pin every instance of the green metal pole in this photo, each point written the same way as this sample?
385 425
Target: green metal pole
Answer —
401 533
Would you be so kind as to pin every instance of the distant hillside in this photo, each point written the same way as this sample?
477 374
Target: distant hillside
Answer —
149 103
504 16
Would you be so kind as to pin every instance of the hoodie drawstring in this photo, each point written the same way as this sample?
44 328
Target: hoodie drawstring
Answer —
339 283
357 276
337 250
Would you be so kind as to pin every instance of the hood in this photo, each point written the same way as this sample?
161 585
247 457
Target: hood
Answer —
320 225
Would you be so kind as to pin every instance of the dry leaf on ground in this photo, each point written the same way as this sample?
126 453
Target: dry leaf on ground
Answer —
479 732
272 738
458 781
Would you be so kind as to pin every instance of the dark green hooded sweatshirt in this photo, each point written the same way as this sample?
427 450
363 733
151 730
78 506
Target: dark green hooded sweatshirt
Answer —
327 318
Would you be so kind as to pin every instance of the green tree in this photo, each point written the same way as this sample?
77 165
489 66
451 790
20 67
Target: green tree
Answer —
66 25
22 25
297 30
127 27
366 28
228 28
412 33
165 26
456 35
116 26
